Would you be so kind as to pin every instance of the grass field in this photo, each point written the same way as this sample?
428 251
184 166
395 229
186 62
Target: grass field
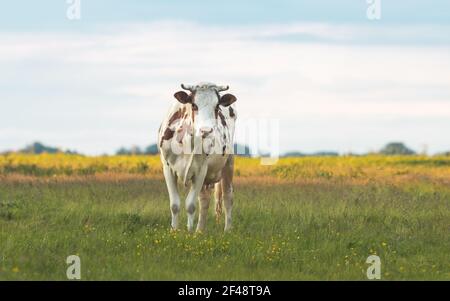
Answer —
301 219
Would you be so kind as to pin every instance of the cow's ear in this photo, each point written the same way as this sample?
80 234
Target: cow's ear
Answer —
182 97
227 100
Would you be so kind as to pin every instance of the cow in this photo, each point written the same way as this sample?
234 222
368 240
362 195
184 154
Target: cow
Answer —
196 142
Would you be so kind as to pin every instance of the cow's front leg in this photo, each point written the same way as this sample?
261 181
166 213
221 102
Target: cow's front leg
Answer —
191 199
171 182
205 197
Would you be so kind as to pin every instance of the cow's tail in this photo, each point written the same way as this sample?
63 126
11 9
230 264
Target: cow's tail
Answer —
218 197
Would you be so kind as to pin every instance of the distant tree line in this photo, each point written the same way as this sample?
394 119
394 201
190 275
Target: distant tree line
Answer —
394 148
316 154
39 148
152 149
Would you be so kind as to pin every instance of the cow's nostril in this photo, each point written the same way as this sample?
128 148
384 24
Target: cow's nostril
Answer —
206 131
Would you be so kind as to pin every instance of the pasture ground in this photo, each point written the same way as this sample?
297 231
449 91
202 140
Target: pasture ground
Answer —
302 219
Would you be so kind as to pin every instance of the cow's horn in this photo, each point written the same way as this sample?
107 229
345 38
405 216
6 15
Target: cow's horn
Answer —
187 87
222 88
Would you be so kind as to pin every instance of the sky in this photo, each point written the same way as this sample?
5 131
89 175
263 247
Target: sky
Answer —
333 79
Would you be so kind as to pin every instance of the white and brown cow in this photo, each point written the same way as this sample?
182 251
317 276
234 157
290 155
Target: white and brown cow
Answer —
196 147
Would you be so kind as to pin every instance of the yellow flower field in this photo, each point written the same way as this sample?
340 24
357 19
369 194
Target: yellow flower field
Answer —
356 168
309 218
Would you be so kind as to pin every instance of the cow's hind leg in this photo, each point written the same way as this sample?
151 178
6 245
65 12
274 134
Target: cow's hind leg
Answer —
227 191
171 182
204 198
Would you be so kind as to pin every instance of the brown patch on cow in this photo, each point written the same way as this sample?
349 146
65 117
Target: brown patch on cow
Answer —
222 118
185 129
168 134
194 109
232 115
176 116
216 111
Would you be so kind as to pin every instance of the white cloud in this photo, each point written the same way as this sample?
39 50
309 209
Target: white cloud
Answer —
121 80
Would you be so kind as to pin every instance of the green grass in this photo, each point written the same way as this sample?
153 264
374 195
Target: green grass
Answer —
282 231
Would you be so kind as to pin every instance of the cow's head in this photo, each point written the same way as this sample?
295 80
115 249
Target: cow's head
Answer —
205 100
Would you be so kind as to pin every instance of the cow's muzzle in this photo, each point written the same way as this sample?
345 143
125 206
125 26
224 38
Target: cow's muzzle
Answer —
206 131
